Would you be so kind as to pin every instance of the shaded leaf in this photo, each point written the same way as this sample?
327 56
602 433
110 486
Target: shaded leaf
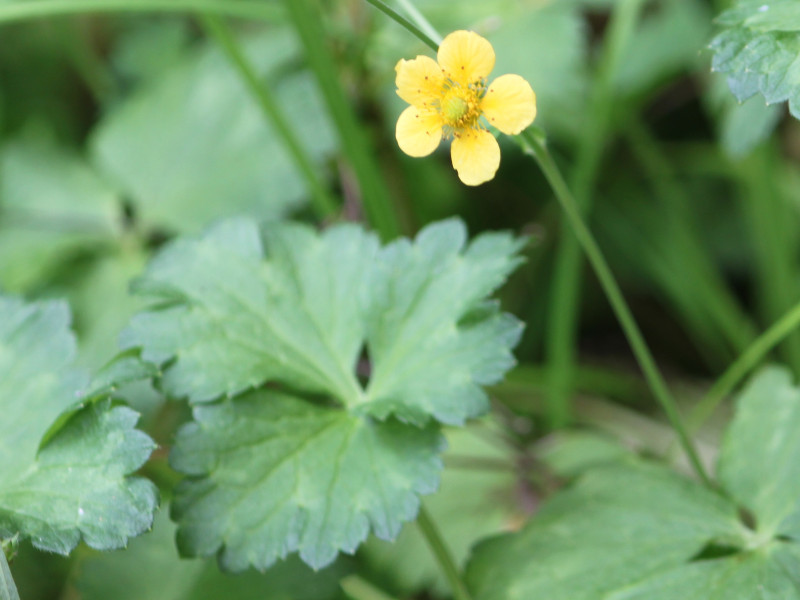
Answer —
151 568
48 214
617 525
192 145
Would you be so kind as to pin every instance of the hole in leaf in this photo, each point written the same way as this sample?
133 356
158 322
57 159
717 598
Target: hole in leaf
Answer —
714 550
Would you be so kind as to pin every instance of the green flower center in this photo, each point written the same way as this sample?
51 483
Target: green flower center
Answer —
454 109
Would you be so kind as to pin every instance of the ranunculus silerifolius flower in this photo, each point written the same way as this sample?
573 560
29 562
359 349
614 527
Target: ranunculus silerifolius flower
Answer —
450 98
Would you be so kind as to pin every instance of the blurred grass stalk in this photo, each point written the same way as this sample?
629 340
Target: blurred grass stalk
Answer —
375 195
561 337
40 9
774 241
323 203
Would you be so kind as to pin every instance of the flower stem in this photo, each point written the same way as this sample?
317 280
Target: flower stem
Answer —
374 193
788 323
431 534
321 199
402 21
564 305
18 11
655 380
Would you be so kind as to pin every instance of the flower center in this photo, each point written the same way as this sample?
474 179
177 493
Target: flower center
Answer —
460 107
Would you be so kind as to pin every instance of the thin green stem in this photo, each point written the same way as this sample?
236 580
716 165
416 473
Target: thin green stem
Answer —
655 379
436 543
420 19
403 22
772 222
39 9
564 306
723 387
321 199
375 195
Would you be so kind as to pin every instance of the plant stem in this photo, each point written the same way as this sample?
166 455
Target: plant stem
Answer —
739 369
374 193
640 349
18 11
431 534
772 222
423 23
564 306
322 201
403 22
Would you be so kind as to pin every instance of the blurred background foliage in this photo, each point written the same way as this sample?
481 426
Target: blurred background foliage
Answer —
119 132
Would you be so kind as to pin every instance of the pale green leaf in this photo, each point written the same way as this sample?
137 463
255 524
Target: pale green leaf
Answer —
244 307
48 214
666 42
759 462
271 474
191 145
754 575
759 51
8 590
151 568
77 485
617 525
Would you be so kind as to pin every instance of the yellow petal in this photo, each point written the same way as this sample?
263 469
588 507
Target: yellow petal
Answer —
509 104
476 156
466 57
419 81
418 131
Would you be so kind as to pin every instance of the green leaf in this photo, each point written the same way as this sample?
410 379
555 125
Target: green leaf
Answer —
287 305
191 145
78 484
741 125
759 462
168 577
310 468
48 214
750 576
8 591
759 51
617 525
480 495
665 43
272 474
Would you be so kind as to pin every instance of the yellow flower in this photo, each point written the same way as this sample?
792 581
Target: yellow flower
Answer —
448 99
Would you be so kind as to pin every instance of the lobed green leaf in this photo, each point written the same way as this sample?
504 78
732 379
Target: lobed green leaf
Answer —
271 474
77 485
759 51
